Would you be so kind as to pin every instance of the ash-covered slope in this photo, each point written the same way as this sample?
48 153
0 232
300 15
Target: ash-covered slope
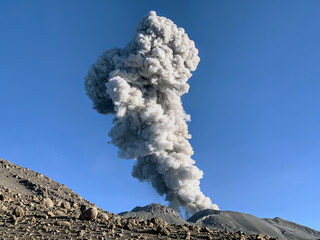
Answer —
292 230
249 224
32 206
156 210
234 221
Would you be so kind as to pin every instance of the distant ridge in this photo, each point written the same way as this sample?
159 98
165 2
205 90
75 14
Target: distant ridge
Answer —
156 210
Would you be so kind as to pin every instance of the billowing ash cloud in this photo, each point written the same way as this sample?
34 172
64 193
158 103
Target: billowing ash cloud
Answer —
142 85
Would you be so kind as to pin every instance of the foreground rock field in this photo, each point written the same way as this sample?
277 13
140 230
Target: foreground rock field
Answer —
32 206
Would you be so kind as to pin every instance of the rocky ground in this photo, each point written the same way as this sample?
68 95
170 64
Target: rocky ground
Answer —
32 206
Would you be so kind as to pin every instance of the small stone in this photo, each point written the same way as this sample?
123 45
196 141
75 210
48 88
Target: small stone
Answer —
103 216
3 209
44 216
81 233
65 205
260 236
74 205
63 223
119 235
35 198
184 228
89 214
159 222
164 231
47 202
5 197
18 212
61 214
188 235
50 214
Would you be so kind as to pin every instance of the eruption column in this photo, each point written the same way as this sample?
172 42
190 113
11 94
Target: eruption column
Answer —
142 85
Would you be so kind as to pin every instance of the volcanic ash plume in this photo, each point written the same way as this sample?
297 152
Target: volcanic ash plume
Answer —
142 85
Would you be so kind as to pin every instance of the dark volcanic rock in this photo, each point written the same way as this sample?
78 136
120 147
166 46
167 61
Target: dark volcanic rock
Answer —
89 214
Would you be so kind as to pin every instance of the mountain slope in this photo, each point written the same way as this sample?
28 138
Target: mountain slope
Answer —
249 224
292 230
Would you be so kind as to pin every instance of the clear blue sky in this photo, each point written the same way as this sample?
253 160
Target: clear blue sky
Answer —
254 100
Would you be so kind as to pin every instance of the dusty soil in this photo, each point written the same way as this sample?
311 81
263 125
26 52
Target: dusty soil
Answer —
32 206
